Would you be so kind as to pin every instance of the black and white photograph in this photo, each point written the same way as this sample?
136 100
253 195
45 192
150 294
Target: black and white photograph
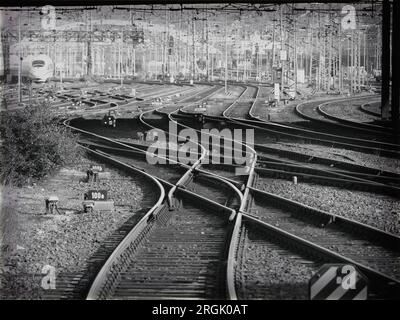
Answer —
217 151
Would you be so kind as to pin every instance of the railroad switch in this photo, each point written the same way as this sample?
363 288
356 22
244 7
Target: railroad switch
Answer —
52 204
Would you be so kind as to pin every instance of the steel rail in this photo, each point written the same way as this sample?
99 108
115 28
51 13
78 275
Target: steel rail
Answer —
379 279
234 238
357 125
102 279
365 110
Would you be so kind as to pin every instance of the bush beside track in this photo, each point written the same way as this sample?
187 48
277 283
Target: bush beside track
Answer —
34 144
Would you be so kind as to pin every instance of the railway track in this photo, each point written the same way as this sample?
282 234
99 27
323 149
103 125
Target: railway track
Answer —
103 101
387 272
358 121
327 178
274 153
324 175
367 180
391 257
314 165
240 109
185 247
182 257
201 231
281 163
284 272
371 108
339 167
357 133
374 251
269 131
75 285
240 229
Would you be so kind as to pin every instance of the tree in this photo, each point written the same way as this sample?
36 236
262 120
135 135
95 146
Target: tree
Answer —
34 143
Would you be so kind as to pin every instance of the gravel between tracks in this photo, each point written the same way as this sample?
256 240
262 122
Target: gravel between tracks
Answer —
349 111
271 273
31 240
351 156
374 106
380 211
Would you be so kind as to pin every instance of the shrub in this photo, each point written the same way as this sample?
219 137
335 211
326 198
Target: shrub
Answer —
34 144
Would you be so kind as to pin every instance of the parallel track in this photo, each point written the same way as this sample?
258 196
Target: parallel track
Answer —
269 131
197 270
155 244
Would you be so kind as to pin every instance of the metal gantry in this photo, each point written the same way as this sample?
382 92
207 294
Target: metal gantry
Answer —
304 44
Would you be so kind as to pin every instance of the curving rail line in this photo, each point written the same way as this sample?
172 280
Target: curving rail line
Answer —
381 278
130 243
251 222
267 130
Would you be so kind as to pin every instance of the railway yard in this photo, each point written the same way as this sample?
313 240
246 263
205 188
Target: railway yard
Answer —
201 231
216 193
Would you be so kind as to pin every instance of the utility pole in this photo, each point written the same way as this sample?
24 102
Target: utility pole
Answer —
120 62
385 59
282 69
89 48
168 69
19 59
364 56
311 49
62 67
323 67
238 53
144 64
207 50
330 60
179 49
273 47
395 66
134 61
193 51
340 58
164 49
245 65
226 53
212 67
295 57
352 62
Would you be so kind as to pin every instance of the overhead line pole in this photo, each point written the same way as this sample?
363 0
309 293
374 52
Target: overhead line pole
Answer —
19 59
395 66
385 58
226 53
